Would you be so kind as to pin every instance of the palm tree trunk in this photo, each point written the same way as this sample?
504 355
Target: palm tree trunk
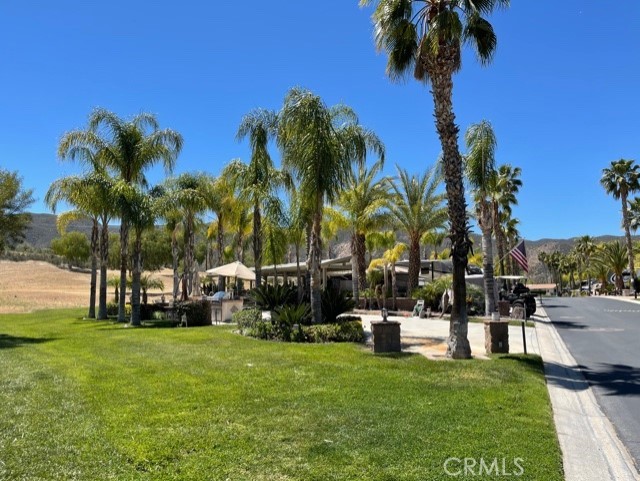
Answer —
299 281
627 236
95 252
362 262
500 238
314 264
124 259
174 262
414 262
135 281
394 285
355 277
257 244
487 259
441 68
220 235
104 263
189 253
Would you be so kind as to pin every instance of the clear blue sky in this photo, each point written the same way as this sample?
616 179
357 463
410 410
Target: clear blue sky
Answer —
562 92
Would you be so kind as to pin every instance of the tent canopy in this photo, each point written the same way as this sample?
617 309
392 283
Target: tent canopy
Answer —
235 269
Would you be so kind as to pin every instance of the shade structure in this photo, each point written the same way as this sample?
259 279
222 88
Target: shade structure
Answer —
235 269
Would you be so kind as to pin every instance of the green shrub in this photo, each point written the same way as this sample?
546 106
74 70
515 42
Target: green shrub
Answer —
350 331
198 312
334 303
247 319
432 292
112 309
285 318
475 300
268 297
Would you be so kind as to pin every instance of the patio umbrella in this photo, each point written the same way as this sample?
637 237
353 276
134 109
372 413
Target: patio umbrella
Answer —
235 269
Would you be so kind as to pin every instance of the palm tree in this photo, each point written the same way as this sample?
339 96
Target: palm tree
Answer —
141 210
189 195
433 238
147 282
480 171
621 179
392 256
297 220
92 196
221 203
428 42
127 147
258 180
318 146
585 248
614 256
417 208
362 207
503 191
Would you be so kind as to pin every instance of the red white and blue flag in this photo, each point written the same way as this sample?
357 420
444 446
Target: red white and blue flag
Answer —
519 254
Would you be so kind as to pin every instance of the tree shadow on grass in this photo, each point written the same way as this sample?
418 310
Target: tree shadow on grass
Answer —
8 341
532 361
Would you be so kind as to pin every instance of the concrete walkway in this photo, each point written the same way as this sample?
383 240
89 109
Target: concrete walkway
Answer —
429 336
590 446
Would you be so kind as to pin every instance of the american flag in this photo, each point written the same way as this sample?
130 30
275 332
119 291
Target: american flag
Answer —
520 255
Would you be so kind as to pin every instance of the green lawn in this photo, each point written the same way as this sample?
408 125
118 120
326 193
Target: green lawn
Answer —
93 400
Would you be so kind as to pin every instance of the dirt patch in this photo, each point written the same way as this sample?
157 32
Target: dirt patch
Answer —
32 285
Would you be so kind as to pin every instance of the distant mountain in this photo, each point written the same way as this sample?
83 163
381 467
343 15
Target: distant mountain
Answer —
43 229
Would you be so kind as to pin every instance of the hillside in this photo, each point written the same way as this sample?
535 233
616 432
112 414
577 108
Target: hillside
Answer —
43 229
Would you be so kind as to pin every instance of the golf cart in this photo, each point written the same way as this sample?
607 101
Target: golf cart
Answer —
514 290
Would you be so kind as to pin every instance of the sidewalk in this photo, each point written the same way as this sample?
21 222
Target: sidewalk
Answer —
429 336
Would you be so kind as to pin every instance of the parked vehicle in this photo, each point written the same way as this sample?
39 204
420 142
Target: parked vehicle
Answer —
514 290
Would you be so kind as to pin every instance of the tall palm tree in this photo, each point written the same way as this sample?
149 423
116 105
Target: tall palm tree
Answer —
221 203
503 191
480 171
258 180
620 179
297 220
417 207
128 148
425 37
362 205
91 194
189 194
318 145
140 210
585 248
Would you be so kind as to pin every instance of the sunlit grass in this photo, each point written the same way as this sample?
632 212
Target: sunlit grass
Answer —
94 400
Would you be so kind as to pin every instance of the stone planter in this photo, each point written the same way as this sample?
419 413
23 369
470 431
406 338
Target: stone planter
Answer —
386 336
496 337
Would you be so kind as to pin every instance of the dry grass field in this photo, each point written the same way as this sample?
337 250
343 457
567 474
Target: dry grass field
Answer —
33 285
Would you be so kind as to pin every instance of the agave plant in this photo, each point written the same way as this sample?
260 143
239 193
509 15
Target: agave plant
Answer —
334 303
269 298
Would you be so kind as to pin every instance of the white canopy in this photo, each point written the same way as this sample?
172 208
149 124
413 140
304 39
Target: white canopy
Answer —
235 269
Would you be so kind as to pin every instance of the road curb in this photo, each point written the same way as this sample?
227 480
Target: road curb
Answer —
591 449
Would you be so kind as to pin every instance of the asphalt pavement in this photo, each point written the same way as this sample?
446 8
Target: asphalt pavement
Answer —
603 336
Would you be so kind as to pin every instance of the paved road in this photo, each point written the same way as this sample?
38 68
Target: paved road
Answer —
603 335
